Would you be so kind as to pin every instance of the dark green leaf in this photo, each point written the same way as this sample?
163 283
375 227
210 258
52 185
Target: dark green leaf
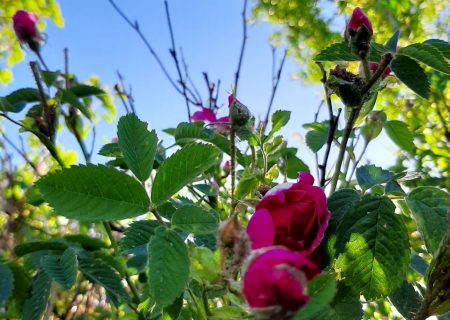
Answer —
429 207
371 175
316 137
83 90
62 269
138 145
182 168
94 193
419 264
400 134
5 106
373 248
36 303
24 95
49 77
341 52
71 99
427 54
111 150
392 42
346 304
406 300
29 247
411 74
6 284
394 188
294 165
194 219
173 311
86 242
441 45
137 234
339 203
279 119
168 267
321 291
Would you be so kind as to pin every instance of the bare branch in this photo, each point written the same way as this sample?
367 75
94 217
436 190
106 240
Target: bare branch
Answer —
244 42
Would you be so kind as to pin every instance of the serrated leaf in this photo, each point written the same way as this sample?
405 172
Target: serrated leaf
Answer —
36 303
279 119
168 267
137 234
411 74
71 99
181 168
100 272
321 291
441 45
138 145
6 284
427 54
111 150
429 208
84 90
373 248
371 175
195 219
406 300
392 42
341 52
29 247
400 134
339 203
62 269
316 137
94 193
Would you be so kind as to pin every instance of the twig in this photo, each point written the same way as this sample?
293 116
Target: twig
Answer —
355 166
385 60
275 82
244 42
316 155
22 153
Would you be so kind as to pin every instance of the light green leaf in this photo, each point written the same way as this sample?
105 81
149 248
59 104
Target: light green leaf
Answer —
6 284
400 134
411 74
137 234
94 193
371 175
62 269
83 90
427 54
372 247
321 291
194 219
246 185
138 145
182 168
429 208
36 303
205 266
279 119
168 266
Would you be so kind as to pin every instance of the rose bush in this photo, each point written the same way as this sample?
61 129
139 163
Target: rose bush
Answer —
293 215
277 276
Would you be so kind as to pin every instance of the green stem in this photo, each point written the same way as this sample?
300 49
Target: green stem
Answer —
233 167
365 64
347 132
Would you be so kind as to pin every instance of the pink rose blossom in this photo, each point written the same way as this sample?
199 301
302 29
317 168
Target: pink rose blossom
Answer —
278 277
208 115
357 20
293 215
24 24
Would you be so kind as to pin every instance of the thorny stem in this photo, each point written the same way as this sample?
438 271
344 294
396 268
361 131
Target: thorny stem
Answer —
233 167
244 42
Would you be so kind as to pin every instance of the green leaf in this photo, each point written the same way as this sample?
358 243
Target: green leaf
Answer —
83 90
6 284
194 219
71 99
102 273
373 248
341 52
173 311
138 145
419 265
411 74
371 175
137 234
49 77
394 188
205 265
427 54
23 96
181 168
5 106
346 304
317 136
62 269
168 267
94 193
406 300
29 247
293 166
279 119
111 150
429 208
441 45
392 42
400 134
36 303
339 203
86 242
321 291
246 185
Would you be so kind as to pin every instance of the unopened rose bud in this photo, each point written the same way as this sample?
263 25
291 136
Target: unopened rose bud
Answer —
358 33
227 167
239 113
357 20
24 24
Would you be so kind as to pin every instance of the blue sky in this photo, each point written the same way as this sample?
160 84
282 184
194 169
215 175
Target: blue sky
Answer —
210 35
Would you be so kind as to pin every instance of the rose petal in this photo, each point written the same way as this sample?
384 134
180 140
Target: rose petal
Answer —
204 115
260 229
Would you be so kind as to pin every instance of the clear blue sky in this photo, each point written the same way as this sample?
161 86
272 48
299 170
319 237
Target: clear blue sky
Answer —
210 34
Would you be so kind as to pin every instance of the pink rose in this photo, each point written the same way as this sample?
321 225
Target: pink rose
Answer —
207 115
357 20
293 215
278 277
24 24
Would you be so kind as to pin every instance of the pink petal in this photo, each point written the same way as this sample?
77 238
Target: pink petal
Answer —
204 115
260 229
305 179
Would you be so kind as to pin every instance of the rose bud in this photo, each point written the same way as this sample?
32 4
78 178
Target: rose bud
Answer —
239 114
357 20
358 33
275 281
293 215
24 24
227 167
